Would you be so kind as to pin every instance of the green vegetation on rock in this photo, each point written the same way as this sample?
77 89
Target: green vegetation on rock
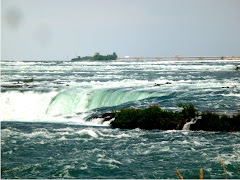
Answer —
154 117
97 56
215 122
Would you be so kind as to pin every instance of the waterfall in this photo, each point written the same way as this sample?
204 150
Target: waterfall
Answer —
188 124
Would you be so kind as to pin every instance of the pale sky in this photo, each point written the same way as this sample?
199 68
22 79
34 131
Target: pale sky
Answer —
62 29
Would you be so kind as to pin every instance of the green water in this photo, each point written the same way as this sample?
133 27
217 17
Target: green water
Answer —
47 129
38 150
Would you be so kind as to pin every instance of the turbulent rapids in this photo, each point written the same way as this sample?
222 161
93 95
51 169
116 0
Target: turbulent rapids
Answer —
48 130
87 86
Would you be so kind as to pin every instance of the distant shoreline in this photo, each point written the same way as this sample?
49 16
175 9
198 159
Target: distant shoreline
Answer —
88 58
185 57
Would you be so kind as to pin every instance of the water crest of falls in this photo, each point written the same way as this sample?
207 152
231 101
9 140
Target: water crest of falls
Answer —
186 126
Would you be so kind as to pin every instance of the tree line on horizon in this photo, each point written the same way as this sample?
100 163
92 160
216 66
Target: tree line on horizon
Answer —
97 56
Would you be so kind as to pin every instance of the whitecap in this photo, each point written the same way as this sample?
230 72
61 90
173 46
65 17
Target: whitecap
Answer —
89 132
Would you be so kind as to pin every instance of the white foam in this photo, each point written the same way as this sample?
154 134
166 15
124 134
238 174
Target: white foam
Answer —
118 136
186 126
26 106
40 133
89 132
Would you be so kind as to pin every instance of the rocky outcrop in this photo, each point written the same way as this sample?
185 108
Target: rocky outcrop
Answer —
12 86
154 117
28 80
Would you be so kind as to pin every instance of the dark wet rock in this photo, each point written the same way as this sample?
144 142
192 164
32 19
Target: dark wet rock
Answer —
28 80
60 83
12 86
158 84
16 82
67 84
68 117
106 116
225 87
237 68
32 86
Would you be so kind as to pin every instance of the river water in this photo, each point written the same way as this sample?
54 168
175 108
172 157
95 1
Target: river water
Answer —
47 130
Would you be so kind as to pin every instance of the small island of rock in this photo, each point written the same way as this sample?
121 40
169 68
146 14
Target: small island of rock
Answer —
97 56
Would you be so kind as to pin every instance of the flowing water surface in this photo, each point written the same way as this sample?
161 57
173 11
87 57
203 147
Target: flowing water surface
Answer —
47 130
